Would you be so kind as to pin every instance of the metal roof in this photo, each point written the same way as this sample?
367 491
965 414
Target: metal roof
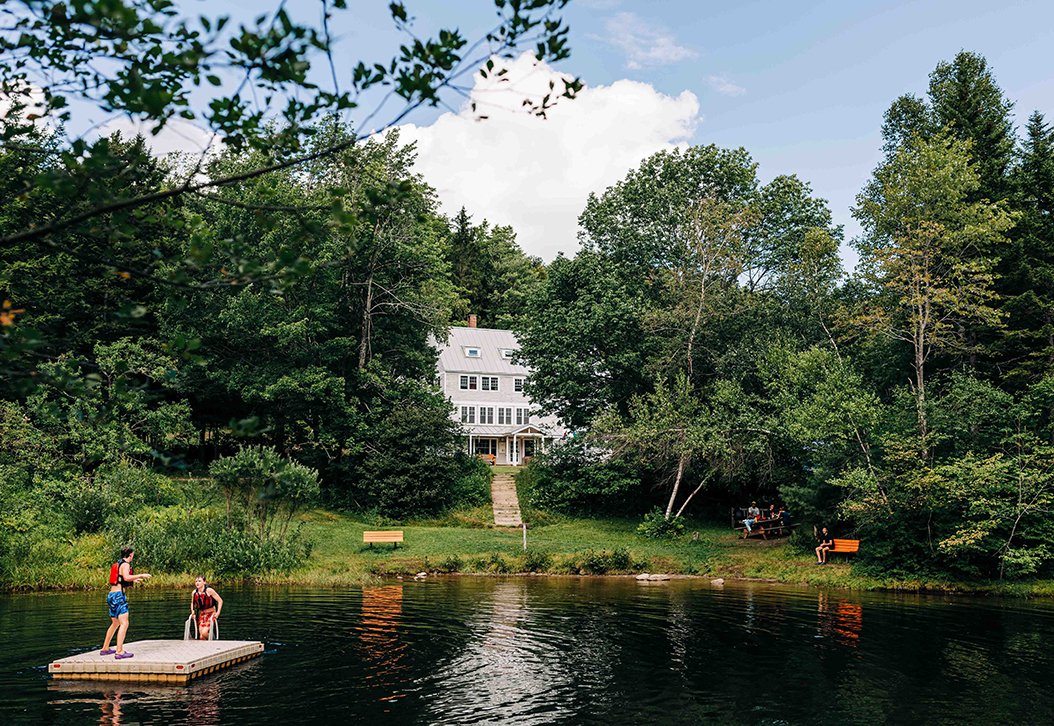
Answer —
490 343
530 429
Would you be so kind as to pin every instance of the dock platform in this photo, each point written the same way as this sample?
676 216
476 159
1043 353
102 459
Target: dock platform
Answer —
157 661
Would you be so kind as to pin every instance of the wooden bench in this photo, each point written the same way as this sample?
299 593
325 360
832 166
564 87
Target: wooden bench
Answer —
845 546
394 536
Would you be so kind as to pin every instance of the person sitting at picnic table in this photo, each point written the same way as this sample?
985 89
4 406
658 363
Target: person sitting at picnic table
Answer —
785 518
826 544
753 513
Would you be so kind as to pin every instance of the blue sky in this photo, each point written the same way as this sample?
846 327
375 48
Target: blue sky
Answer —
802 86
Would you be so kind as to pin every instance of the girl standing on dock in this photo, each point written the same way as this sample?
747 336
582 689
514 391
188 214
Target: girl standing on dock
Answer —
120 577
208 604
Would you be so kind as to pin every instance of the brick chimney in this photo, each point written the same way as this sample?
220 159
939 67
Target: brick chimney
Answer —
471 321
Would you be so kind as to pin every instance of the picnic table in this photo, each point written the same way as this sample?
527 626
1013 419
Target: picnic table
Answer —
762 526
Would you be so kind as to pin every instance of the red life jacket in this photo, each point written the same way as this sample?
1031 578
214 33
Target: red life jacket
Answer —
203 601
115 574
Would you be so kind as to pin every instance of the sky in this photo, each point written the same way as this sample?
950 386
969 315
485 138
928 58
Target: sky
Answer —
801 86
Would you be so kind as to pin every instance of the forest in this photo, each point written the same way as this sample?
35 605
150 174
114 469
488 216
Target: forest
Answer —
190 367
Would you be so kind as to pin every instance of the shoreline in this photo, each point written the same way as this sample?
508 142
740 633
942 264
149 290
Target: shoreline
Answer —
464 544
1030 590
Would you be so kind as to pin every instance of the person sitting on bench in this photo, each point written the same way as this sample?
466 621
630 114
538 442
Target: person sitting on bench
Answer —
826 544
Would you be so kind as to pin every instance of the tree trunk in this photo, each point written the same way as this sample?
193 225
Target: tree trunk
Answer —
695 325
920 378
694 492
367 321
677 483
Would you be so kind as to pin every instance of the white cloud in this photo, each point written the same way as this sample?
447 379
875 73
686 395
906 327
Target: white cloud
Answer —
644 45
535 174
725 86
600 4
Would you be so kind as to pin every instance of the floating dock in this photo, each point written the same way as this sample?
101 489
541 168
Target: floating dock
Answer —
157 661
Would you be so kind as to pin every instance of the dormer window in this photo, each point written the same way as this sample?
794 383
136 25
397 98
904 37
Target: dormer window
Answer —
472 352
507 353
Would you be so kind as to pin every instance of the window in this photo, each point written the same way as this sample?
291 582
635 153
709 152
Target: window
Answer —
468 414
507 353
472 352
471 383
486 414
519 416
487 447
517 385
505 416
490 383
464 383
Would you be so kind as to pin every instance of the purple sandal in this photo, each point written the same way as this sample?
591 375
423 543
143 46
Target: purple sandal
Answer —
108 651
123 655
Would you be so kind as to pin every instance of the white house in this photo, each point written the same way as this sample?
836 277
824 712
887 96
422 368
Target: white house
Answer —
478 376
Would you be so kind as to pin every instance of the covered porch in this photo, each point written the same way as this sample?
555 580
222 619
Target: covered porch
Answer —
506 446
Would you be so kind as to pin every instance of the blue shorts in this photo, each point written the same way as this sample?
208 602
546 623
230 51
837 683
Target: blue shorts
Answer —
117 603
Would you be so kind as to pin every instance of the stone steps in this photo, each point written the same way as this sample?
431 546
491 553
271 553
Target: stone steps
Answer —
504 501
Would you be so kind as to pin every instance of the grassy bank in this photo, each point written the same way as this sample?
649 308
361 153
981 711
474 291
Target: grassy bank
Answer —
465 543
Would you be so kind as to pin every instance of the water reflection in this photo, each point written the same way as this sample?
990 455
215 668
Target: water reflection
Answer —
511 665
382 614
559 650
197 702
840 619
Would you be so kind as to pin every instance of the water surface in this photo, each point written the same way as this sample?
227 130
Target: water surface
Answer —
554 650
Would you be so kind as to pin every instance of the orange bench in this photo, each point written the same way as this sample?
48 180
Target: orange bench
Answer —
845 546
394 536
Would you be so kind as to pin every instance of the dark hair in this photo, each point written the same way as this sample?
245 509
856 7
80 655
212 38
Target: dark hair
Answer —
125 551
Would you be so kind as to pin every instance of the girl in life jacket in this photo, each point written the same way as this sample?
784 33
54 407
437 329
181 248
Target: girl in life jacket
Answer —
120 577
207 603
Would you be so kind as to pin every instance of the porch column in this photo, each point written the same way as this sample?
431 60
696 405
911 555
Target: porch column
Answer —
515 453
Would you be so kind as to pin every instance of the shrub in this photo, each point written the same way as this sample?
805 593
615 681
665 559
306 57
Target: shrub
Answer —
472 489
498 564
89 508
452 564
802 539
177 541
270 488
619 560
573 478
412 465
138 485
600 563
594 563
536 560
656 526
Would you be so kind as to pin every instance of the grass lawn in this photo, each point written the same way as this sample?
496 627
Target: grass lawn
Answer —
561 546
467 542
463 543
564 546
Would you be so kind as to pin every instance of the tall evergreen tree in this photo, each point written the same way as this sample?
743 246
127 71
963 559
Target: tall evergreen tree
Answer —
490 271
967 100
1029 271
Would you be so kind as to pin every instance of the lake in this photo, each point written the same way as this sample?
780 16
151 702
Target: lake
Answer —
545 650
